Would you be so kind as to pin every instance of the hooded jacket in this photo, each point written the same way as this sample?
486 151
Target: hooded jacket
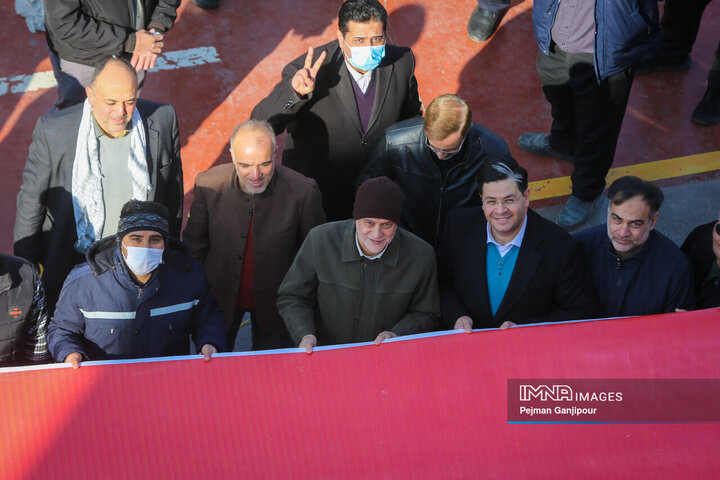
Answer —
103 314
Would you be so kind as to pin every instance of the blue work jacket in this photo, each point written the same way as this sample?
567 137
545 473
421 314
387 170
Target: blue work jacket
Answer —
103 314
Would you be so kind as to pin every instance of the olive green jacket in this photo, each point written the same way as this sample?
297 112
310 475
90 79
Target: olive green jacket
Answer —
339 296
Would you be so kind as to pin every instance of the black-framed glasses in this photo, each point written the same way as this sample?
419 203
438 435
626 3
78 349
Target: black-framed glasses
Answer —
440 151
717 228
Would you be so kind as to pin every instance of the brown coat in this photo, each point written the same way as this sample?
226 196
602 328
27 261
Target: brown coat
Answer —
217 230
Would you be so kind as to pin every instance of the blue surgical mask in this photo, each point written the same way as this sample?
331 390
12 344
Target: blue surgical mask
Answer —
366 58
143 260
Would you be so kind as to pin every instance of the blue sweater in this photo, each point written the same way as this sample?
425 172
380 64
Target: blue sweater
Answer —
658 279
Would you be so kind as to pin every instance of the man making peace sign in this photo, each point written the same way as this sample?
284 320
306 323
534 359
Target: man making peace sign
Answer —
336 101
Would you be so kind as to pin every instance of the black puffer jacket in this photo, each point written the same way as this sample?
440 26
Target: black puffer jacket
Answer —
405 159
23 314
86 31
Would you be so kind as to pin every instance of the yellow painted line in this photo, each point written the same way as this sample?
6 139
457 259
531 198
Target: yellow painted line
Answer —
659 170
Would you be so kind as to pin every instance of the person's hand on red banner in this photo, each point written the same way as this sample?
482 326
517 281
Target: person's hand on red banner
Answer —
384 336
464 323
208 350
74 358
308 342
507 324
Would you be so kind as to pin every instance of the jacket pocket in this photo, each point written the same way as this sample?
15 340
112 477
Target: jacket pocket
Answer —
111 336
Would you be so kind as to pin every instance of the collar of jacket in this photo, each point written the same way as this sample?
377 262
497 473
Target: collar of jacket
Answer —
411 134
104 254
638 257
350 253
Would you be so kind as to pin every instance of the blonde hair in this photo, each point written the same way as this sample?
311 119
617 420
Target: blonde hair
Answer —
446 115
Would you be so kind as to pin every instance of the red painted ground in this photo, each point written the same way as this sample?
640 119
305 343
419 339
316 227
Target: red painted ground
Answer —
255 40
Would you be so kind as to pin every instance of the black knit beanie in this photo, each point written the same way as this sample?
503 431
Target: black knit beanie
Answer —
138 215
378 198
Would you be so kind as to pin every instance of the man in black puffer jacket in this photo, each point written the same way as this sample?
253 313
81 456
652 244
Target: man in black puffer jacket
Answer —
23 313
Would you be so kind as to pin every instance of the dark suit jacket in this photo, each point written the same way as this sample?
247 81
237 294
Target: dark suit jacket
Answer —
325 139
698 247
45 229
550 282
217 232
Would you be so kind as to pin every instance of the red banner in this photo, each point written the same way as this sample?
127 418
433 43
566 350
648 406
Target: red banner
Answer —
430 407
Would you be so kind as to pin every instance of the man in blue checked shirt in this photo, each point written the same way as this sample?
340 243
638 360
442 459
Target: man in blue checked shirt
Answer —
140 294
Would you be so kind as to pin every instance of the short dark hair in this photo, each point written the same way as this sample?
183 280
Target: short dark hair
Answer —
498 168
100 66
361 11
625 188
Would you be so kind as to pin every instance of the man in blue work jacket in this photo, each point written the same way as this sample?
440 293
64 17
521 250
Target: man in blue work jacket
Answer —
140 294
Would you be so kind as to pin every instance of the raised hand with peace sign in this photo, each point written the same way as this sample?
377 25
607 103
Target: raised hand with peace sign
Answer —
304 80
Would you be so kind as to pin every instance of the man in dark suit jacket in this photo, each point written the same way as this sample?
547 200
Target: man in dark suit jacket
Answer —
514 268
702 248
336 108
46 232
246 224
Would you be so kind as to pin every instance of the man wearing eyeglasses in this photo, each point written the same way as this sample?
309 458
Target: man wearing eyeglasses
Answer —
336 106
635 269
502 264
435 162
702 248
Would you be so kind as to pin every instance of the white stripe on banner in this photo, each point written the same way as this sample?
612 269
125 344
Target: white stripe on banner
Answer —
191 57
180 307
109 315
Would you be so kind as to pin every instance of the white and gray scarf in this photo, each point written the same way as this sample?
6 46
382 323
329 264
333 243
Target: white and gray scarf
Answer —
87 192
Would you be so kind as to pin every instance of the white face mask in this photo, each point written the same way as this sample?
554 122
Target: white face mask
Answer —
143 260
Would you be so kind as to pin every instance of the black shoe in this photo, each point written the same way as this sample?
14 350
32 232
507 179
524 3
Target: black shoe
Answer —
657 62
707 111
207 4
574 213
539 144
483 23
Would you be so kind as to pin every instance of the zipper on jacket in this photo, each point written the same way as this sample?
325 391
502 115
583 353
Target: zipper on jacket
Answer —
359 305
442 194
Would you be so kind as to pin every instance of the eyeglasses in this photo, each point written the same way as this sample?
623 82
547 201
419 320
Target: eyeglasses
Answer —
507 202
440 151
717 228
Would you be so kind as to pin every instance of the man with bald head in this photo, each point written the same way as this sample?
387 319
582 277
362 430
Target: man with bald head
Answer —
85 162
246 224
